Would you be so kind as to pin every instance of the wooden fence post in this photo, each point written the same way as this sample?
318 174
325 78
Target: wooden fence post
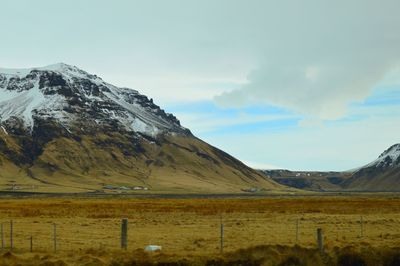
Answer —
221 234
297 231
361 227
124 233
31 244
222 238
320 240
55 237
2 236
11 235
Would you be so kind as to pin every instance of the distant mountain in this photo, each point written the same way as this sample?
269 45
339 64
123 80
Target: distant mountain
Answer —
383 174
309 180
63 129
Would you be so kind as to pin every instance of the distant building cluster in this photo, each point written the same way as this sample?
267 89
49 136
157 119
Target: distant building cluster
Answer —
112 187
252 190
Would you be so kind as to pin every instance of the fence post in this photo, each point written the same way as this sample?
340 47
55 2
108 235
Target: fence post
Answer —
55 237
124 233
31 244
297 231
11 235
320 240
2 236
222 238
361 227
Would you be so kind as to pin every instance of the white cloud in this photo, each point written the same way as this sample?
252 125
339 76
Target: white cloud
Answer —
325 93
170 89
311 122
332 55
312 73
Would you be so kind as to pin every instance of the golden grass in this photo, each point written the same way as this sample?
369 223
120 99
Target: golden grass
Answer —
189 228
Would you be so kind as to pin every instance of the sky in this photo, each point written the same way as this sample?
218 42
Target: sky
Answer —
300 85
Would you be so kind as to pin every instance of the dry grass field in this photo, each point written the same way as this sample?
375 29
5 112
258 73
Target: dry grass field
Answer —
88 230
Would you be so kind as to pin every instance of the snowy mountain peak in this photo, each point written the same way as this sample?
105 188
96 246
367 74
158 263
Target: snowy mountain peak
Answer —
389 158
22 72
60 67
76 99
66 70
392 154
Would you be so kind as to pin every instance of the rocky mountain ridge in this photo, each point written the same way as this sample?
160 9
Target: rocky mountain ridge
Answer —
66 93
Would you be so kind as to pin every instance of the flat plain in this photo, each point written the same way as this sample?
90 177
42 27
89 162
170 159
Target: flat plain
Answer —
190 227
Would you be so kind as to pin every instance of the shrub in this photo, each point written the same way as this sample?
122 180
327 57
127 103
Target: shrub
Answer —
351 259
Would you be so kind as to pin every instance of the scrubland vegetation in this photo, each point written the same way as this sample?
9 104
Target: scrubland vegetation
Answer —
269 231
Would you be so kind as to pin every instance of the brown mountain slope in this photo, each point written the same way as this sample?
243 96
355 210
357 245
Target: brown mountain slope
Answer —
91 162
388 180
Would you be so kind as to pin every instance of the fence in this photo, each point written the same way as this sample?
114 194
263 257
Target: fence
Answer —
199 233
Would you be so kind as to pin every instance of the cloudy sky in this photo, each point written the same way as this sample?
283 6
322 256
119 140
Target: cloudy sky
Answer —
307 85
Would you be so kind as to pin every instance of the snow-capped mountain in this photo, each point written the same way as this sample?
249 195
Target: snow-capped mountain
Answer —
383 174
389 158
63 129
66 93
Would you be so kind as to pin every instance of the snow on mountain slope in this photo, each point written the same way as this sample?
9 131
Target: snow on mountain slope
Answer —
24 104
383 174
389 158
63 93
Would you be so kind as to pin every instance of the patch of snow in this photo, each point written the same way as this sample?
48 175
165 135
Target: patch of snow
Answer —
137 110
24 104
139 126
20 104
153 248
387 159
391 154
5 131
35 98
